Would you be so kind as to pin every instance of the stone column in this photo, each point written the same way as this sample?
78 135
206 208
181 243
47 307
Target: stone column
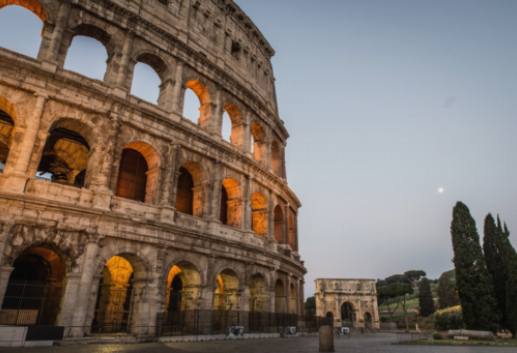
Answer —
118 72
86 281
286 209
5 273
217 184
212 114
246 204
246 145
68 302
268 142
178 95
16 169
169 171
205 306
52 36
167 95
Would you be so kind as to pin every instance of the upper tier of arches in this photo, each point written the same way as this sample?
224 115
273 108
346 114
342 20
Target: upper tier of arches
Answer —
124 59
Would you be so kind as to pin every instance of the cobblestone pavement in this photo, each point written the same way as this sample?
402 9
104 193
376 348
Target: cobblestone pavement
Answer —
380 343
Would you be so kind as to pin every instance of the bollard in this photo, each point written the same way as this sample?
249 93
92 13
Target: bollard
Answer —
326 333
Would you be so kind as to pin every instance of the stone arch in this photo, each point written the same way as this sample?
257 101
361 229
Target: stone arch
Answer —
280 297
160 68
259 296
182 290
348 315
9 108
91 31
35 287
203 95
227 290
259 213
189 193
277 159
368 320
231 202
66 153
139 181
258 141
234 114
32 5
293 299
279 220
292 233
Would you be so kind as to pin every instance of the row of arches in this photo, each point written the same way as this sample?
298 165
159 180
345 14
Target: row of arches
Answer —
91 51
67 157
38 282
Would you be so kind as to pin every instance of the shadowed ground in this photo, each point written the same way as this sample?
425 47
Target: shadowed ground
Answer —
381 343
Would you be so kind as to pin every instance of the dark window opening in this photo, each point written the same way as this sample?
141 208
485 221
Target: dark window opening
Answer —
132 179
185 192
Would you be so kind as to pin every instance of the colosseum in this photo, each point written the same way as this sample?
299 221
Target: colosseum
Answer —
120 215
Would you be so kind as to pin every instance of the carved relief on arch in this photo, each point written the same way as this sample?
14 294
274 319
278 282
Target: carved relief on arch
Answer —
69 243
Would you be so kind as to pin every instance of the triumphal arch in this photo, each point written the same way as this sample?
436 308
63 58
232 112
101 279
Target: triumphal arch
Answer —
121 215
348 302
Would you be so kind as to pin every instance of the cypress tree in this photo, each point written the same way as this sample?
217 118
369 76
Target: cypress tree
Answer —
425 298
447 292
510 259
495 262
475 288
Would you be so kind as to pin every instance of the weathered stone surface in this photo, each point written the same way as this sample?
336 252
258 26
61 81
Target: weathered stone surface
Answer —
214 49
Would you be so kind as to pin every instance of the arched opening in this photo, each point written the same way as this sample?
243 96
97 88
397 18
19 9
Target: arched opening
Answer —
189 195
148 76
139 172
280 297
259 214
293 299
231 203
292 230
232 128
277 159
183 285
368 321
196 103
25 20
259 303
258 142
113 309
279 224
35 287
6 131
226 130
347 314
329 318
87 54
65 155
132 176
226 300
185 192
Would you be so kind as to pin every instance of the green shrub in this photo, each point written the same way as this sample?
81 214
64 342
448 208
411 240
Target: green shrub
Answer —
449 321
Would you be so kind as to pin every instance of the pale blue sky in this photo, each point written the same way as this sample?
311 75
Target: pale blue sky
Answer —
386 101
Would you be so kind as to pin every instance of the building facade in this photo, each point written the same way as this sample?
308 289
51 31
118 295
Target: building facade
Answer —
349 302
117 213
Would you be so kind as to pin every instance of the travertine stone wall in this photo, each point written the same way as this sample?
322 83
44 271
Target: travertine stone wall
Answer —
211 47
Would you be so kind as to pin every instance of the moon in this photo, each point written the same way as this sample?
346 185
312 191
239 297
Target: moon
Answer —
441 190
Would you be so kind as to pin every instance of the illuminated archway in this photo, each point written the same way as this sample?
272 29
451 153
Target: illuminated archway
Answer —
226 300
66 153
277 159
113 309
138 172
279 224
259 214
196 103
280 297
32 5
35 287
258 142
189 195
233 127
231 203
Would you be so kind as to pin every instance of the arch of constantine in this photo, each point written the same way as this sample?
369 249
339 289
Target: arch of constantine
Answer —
121 215
348 302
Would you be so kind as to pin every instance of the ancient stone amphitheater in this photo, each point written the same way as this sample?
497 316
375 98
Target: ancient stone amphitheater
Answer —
120 215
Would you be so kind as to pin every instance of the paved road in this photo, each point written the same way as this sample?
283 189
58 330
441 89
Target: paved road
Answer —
381 343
